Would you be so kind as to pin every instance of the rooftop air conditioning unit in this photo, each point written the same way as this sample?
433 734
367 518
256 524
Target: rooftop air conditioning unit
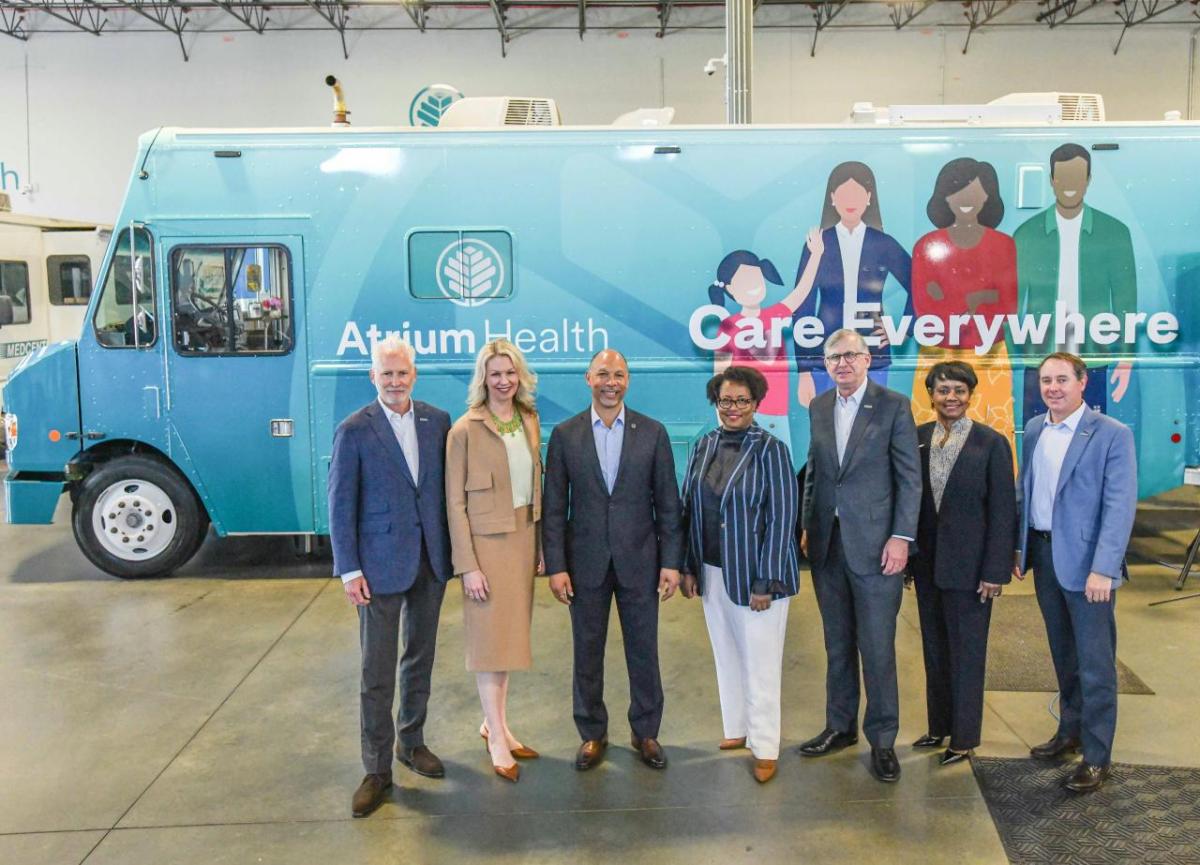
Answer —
491 111
1075 106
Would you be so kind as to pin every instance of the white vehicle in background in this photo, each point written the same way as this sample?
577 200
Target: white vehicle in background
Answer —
46 271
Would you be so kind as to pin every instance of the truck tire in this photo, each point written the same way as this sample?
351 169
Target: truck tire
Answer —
135 516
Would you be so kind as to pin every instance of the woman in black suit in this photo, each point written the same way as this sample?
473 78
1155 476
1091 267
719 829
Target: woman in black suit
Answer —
965 541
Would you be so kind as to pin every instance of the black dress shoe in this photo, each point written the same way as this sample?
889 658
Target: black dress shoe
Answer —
1055 748
590 753
650 751
949 757
1087 778
826 742
929 741
422 761
884 765
370 794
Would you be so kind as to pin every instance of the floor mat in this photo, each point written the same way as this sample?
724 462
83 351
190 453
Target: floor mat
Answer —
1019 656
1144 814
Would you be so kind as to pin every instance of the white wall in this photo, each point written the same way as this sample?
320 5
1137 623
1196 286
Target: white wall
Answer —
88 98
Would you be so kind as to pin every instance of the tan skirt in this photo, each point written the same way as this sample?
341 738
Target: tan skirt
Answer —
497 630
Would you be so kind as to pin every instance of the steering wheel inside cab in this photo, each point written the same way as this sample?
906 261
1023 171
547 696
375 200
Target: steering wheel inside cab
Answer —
201 321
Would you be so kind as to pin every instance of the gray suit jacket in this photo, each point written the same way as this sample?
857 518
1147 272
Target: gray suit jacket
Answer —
876 490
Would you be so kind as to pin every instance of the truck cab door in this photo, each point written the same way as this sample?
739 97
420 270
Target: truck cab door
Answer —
121 388
237 404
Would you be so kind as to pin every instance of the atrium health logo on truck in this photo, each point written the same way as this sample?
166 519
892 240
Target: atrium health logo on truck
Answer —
470 272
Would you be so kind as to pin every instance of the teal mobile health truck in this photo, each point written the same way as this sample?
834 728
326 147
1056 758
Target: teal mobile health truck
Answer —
251 271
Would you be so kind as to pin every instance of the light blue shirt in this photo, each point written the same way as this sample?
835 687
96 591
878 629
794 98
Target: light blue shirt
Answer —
845 410
608 445
405 428
1048 458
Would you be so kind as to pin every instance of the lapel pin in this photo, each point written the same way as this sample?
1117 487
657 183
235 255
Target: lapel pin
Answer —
633 426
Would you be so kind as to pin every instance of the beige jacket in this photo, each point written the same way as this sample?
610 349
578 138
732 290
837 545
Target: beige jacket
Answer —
478 489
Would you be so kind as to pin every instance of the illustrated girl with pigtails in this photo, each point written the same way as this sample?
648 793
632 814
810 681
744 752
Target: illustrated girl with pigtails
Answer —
742 278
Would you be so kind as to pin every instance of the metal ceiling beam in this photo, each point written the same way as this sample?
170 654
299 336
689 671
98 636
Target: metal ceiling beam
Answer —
1135 12
416 11
85 16
12 21
499 10
664 15
250 12
824 11
1061 11
336 15
980 12
167 14
902 14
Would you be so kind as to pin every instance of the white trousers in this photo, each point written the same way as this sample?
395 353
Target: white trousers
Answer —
748 652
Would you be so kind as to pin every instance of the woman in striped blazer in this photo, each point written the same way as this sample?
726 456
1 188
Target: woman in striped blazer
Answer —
740 501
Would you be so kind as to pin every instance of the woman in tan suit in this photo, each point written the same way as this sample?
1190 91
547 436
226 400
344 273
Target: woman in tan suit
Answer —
494 503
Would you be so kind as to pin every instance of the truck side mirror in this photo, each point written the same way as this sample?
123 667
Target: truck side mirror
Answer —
6 310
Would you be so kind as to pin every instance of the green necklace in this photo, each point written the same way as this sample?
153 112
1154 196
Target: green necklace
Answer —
507 427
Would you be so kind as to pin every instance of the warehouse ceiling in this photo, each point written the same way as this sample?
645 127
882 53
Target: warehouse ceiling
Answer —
26 19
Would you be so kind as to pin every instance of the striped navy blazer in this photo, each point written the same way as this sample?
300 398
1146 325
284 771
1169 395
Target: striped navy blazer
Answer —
758 511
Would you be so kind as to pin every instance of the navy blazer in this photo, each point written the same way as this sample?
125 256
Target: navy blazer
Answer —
758 510
378 513
881 255
635 528
976 526
1095 503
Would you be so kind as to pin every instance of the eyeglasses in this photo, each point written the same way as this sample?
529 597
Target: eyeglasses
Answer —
740 402
847 356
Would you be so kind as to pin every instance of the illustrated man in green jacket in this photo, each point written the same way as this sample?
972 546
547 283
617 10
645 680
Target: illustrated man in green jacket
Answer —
1078 256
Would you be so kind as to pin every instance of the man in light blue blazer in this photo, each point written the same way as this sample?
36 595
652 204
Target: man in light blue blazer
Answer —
391 547
1079 495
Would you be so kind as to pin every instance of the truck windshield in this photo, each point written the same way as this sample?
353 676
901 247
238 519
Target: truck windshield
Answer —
14 284
125 316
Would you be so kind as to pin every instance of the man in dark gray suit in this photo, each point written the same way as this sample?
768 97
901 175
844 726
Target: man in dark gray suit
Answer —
391 547
862 500
611 527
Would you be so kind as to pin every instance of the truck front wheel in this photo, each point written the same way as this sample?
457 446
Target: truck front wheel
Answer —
135 516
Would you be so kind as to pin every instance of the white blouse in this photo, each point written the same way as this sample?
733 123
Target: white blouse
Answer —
520 467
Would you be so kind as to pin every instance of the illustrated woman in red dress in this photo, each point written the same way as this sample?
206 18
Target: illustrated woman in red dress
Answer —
967 267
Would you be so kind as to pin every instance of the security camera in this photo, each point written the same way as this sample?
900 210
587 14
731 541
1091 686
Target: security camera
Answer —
710 68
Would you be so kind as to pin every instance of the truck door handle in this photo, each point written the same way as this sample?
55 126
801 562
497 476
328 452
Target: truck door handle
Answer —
282 428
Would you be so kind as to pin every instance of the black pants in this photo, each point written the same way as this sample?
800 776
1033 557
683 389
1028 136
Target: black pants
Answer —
413 617
954 633
858 614
638 610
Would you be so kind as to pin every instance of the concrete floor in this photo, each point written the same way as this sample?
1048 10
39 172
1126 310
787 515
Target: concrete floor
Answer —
212 718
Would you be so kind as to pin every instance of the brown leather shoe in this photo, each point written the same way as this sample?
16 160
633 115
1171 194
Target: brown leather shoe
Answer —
370 794
732 744
590 754
520 752
1087 778
508 773
422 761
651 752
764 770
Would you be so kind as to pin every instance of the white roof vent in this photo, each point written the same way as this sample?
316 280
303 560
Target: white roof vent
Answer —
491 111
642 118
1075 106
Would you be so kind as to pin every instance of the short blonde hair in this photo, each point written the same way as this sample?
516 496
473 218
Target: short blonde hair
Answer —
526 378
